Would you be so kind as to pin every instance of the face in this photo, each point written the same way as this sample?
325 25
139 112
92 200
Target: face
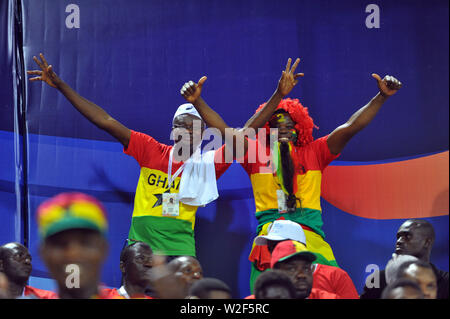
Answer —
185 127
276 292
300 271
82 247
425 278
17 264
188 271
286 127
410 241
405 293
137 265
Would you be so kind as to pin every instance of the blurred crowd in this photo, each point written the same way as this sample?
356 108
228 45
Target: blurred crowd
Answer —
73 229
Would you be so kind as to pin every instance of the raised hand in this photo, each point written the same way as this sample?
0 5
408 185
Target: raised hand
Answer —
45 74
288 79
191 91
388 85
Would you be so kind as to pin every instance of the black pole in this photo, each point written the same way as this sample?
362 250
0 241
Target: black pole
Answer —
22 113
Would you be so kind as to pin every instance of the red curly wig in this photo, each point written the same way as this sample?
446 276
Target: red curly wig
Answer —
304 124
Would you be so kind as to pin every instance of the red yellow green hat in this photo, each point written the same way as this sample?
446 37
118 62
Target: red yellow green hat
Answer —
70 211
288 249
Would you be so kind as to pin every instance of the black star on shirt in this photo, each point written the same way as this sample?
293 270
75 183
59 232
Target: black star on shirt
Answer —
159 198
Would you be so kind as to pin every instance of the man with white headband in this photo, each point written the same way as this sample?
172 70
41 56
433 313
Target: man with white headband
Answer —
172 185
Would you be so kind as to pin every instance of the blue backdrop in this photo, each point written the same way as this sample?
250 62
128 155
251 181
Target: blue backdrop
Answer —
132 57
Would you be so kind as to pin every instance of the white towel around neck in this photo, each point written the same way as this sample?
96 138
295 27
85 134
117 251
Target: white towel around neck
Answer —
198 184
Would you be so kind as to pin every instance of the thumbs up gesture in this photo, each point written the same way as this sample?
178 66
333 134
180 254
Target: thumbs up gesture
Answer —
388 85
191 91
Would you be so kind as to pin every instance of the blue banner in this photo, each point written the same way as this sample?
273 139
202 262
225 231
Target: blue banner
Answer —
132 58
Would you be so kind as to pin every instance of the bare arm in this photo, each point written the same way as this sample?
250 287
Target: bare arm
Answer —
285 85
192 93
94 113
360 119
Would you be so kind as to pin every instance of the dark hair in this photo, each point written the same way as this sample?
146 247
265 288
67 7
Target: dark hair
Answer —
3 253
288 175
203 287
304 124
425 227
175 263
419 263
403 282
125 253
273 278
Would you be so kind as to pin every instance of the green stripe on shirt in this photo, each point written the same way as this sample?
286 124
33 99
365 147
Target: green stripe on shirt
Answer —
165 235
306 216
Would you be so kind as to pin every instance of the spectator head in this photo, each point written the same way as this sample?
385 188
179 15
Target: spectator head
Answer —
187 130
186 270
274 284
15 263
394 264
415 237
295 260
281 230
72 227
402 289
296 113
210 288
421 273
135 264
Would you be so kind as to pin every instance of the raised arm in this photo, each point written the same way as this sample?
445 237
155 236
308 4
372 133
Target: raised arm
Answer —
89 110
192 93
285 85
340 136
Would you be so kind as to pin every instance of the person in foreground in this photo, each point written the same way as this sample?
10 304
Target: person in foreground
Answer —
73 229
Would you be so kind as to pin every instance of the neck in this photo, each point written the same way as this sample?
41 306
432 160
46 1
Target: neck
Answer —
78 293
15 289
134 289
425 257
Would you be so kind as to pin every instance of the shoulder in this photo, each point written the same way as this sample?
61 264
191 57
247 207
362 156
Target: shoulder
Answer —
319 144
330 270
321 294
40 293
143 138
107 293
440 274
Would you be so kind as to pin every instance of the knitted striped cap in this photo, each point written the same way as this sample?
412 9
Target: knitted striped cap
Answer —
70 211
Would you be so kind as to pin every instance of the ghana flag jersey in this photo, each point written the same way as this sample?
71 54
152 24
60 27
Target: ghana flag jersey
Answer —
165 234
309 161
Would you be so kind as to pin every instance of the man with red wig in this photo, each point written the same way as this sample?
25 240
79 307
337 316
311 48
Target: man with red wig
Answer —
289 186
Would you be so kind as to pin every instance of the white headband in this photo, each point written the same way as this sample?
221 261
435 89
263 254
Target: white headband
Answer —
186 108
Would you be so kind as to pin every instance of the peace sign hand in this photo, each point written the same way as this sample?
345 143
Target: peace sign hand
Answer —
46 73
288 79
